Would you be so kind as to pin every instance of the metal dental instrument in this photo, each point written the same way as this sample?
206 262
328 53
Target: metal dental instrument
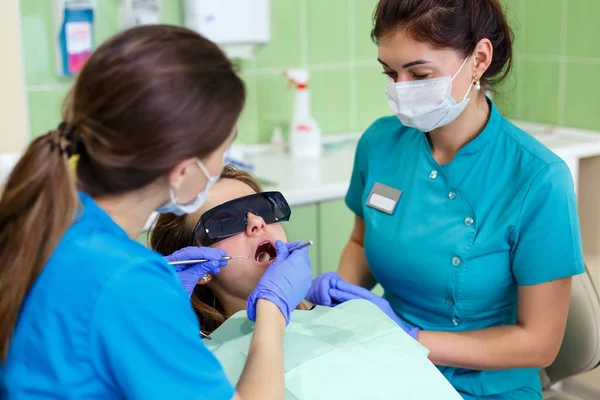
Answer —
187 262
301 246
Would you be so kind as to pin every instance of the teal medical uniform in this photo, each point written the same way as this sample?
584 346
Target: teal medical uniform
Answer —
463 236
108 318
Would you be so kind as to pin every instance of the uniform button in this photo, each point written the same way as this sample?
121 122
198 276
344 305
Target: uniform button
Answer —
452 195
450 302
469 221
456 261
433 174
455 321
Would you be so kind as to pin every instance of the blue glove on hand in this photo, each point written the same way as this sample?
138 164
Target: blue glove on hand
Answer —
319 289
345 291
284 283
190 274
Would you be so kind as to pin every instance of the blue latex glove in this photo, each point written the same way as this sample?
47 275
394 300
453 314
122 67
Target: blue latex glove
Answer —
190 274
345 291
285 282
319 289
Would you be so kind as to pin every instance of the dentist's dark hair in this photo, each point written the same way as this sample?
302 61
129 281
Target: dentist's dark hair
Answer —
451 24
147 99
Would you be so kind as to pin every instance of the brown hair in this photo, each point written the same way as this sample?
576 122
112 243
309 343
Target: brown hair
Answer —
451 24
172 232
147 99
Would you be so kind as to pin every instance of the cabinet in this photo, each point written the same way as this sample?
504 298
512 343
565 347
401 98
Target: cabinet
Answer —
328 224
302 226
335 225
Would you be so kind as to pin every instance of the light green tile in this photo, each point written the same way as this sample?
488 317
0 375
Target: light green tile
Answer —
274 102
107 21
39 40
248 123
540 92
330 98
363 24
370 96
143 238
336 222
542 30
245 65
284 49
45 109
505 95
514 11
302 226
583 28
582 96
172 12
327 23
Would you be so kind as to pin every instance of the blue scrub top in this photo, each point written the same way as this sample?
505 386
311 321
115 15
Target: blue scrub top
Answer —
465 235
108 318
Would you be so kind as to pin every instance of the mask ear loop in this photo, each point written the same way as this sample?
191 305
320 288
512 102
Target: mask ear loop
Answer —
477 86
461 67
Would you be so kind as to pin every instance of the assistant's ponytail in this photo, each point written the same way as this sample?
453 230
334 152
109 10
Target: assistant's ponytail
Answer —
37 206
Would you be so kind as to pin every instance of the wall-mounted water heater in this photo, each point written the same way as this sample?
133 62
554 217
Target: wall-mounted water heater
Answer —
237 26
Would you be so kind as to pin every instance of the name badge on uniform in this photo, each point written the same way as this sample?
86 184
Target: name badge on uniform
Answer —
383 198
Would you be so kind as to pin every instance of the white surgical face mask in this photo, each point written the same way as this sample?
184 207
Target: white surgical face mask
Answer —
426 104
180 209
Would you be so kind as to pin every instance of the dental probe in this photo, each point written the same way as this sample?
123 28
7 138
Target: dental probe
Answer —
227 258
187 262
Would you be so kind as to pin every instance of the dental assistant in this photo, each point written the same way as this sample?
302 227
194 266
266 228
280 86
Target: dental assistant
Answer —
468 223
85 310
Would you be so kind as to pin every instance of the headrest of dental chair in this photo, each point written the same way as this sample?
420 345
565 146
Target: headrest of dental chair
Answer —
580 349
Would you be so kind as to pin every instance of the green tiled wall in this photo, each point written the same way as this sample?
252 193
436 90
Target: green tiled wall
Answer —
557 63
329 37
556 75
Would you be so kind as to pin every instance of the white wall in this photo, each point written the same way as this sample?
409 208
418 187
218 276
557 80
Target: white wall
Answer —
14 132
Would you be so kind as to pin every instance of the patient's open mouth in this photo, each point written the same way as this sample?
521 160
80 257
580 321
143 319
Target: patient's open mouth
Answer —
265 253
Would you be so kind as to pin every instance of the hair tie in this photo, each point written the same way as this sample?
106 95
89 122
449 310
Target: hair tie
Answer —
62 139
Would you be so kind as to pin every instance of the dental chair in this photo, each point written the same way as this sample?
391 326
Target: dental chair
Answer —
580 349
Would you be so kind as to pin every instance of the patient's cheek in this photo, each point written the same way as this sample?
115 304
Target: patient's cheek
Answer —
233 246
277 232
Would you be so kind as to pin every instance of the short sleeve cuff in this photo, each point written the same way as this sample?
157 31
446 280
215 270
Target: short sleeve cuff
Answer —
354 203
534 276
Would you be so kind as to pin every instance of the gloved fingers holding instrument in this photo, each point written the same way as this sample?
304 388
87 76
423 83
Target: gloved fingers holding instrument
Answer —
190 274
286 281
344 291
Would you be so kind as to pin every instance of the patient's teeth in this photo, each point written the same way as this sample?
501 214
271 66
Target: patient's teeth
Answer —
263 257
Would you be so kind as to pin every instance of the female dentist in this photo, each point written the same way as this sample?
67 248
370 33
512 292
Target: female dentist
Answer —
469 224
86 311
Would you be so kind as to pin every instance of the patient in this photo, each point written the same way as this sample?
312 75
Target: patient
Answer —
219 296
322 347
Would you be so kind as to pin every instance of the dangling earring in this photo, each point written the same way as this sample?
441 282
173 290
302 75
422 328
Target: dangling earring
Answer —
477 83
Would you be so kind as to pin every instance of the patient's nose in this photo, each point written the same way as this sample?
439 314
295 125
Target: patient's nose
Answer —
255 225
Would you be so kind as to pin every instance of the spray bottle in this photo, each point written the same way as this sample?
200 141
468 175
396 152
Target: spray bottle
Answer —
305 134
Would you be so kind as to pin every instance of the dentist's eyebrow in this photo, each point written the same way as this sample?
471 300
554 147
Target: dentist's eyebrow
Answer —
416 62
407 65
383 63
